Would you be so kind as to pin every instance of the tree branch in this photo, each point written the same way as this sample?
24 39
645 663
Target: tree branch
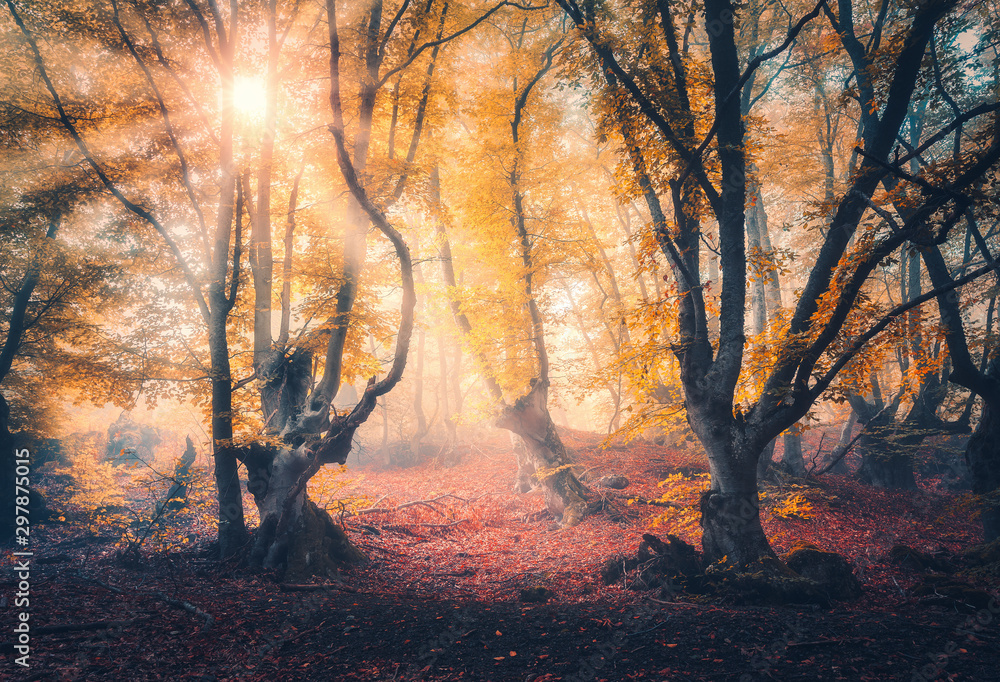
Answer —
108 183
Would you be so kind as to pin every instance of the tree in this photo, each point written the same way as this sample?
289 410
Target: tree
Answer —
960 150
53 288
713 180
502 210
294 533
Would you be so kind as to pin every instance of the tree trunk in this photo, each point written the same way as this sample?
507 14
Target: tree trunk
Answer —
730 509
765 462
294 534
791 460
8 470
232 527
884 470
528 418
449 418
11 346
422 427
615 422
884 464
176 498
313 544
261 258
982 454
715 280
839 452
544 456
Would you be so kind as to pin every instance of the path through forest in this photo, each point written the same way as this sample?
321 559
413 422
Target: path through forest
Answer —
447 593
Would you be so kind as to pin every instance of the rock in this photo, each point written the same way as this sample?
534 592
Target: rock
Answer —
916 560
613 481
765 582
536 594
678 558
942 590
829 570
613 568
984 562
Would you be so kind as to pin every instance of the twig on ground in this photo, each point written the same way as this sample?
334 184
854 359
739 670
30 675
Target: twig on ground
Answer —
187 606
81 627
426 503
111 588
671 603
316 587
438 525
658 503
655 627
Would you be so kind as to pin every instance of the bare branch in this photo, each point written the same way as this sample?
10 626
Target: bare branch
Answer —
887 319
441 41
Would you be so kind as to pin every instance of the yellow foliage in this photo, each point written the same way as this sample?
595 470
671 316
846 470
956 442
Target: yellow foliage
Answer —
794 507
325 488
677 520
96 486
542 474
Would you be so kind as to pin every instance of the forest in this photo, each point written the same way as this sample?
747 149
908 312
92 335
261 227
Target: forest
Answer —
500 339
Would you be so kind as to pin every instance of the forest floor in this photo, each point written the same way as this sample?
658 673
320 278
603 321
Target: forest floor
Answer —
441 598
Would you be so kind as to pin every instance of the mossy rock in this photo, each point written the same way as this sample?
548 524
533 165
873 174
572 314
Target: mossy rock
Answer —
983 555
915 560
767 581
942 590
536 594
983 562
829 570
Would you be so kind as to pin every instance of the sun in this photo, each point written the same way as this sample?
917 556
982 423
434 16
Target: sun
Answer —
249 96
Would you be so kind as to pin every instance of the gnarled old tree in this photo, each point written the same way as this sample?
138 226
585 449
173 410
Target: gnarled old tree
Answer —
654 90
306 433
294 533
176 69
542 458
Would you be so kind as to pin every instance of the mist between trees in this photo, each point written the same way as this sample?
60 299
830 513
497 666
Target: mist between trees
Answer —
304 232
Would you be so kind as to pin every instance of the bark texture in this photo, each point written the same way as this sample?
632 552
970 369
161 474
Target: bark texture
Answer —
982 454
8 469
791 459
544 458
